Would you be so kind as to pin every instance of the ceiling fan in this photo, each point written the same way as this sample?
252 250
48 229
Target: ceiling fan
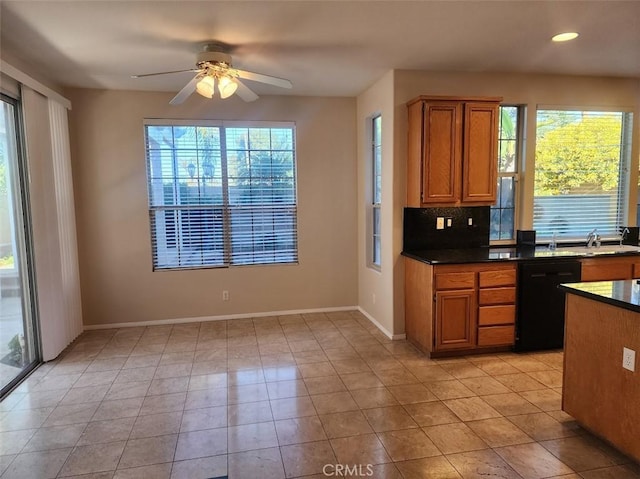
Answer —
213 66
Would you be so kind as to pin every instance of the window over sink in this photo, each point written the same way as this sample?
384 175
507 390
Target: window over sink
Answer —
582 163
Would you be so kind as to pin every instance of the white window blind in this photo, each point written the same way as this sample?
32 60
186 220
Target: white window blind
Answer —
582 163
221 194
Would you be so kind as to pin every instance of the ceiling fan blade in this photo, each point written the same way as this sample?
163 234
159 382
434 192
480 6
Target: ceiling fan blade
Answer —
259 77
244 92
165 73
188 89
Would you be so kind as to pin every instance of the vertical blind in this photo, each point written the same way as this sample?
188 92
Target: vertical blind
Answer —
53 221
581 172
221 194
69 263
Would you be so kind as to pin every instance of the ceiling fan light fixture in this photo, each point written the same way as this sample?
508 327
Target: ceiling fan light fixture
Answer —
564 37
206 86
214 65
227 86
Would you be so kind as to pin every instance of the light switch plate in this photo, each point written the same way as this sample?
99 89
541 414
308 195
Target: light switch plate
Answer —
449 222
470 221
440 223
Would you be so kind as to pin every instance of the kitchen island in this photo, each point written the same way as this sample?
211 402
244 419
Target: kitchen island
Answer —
601 319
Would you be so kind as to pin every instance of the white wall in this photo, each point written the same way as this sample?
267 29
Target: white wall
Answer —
118 284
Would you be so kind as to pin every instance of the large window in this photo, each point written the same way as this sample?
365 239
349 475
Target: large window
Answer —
221 194
503 213
582 163
376 185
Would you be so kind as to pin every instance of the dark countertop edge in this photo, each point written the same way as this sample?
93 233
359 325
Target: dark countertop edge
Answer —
575 289
479 255
466 260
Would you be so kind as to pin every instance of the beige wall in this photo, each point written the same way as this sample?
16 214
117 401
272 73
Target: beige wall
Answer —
118 285
375 286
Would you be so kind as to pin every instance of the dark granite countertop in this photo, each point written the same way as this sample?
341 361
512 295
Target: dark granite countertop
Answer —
483 255
623 294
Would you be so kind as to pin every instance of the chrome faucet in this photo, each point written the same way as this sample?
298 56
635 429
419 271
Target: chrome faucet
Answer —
591 237
623 235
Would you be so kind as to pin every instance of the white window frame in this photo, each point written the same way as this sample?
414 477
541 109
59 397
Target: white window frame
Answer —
225 246
519 152
375 238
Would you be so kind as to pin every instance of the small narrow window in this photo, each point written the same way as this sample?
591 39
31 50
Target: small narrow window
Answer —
503 213
376 156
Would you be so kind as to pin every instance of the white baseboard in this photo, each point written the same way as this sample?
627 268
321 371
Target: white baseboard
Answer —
198 319
384 330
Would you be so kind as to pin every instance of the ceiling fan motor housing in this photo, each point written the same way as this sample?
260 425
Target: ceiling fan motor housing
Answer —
214 57
214 54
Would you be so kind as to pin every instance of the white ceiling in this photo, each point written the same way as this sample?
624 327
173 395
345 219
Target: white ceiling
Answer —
324 47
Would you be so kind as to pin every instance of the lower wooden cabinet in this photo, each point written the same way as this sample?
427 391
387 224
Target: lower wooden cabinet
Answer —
460 308
472 307
609 269
455 319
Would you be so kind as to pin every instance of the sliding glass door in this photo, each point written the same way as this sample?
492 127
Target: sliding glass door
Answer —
19 346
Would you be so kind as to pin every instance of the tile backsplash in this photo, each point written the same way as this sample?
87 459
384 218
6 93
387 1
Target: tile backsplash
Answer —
421 232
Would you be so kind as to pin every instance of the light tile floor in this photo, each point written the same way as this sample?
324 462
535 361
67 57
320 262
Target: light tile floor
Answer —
286 397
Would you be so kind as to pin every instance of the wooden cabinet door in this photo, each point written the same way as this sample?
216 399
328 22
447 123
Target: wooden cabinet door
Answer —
480 159
456 313
441 160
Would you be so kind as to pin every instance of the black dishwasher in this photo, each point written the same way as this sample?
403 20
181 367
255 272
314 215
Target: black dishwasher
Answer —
540 322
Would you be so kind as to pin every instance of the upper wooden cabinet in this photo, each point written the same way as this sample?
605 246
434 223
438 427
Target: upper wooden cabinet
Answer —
452 151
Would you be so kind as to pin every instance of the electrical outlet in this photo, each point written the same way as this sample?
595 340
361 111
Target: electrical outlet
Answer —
449 222
470 221
439 223
629 359
225 295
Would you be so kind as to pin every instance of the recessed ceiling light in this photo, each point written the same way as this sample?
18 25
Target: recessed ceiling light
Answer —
564 37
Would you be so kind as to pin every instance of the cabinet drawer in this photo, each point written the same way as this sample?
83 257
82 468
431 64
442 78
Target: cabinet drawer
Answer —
503 314
497 296
496 336
605 271
490 279
455 280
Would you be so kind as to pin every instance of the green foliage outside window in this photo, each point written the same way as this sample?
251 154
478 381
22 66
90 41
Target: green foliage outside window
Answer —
577 154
